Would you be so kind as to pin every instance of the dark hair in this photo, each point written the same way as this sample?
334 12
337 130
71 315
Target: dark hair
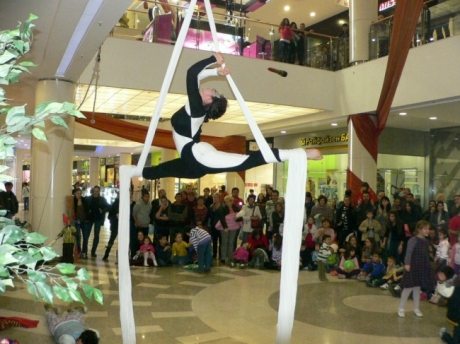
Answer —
308 194
278 241
258 197
206 188
348 193
282 22
364 184
256 232
253 197
200 197
235 188
8 184
222 187
448 271
216 108
398 223
348 250
325 236
322 197
388 207
366 192
393 258
178 194
94 187
294 24
275 192
377 253
370 210
89 337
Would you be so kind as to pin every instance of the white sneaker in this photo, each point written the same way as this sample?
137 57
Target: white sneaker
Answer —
384 286
155 263
442 330
146 264
397 287
418 313
401 313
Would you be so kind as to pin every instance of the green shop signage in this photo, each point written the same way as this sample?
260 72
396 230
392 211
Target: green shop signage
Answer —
318 141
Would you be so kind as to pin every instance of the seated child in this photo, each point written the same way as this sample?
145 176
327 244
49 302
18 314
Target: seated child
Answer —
351 272
257 239
368 251
163 251
393 275
446 275
309 230
241 256
373 270
201 241
179 252
324 252
148 251
442 249
276 246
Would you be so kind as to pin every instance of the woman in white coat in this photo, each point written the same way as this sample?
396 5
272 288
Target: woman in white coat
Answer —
248 213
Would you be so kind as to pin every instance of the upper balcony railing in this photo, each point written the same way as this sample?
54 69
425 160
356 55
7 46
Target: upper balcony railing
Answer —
239 35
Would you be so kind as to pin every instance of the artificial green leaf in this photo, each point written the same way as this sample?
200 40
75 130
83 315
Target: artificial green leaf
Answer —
70 282
13 77
40 109
48 253
33 251
75 295
53 107
8 248
98 296
40 124
89 290
2 287
59 121
66 268
4 271
32 289
19 45
24 258
76 113
7 56
83 275
39 134
8 282
31 17
62 293
21 69
3 168
45 291
20 124
36 276
7 258
5 70
8 140
27 64
16 111
16 32
35 238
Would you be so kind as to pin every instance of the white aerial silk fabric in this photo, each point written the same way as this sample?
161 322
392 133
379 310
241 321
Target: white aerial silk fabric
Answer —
295 198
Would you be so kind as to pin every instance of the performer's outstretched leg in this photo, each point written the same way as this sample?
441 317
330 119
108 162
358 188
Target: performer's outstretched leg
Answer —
177 168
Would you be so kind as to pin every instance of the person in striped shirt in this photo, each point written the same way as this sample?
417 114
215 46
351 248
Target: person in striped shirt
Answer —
324 252
201 241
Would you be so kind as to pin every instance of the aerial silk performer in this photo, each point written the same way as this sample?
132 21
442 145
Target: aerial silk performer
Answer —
199 158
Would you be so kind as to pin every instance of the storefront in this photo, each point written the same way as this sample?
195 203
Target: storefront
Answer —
402 162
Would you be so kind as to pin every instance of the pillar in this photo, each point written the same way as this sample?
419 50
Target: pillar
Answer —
126 159
94 171
362 153
362 14
51 163
168 183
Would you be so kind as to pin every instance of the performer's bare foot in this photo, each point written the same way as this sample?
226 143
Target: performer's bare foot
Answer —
313 154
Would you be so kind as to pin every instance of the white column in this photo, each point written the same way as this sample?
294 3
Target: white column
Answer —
126 159
362 14
51 164
94 171
168 183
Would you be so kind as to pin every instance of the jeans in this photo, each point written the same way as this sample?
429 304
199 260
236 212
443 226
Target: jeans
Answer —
226 246
284 51
97 230
78 226
86 231
180 260
216 237
204 256
26 203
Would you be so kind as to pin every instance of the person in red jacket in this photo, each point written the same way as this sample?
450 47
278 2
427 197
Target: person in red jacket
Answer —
365 187
257 239
454 228
286 34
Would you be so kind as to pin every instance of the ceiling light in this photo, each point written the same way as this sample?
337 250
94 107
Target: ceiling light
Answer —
341 22
287 8
312 14
283 131
433 118
334 124
403 113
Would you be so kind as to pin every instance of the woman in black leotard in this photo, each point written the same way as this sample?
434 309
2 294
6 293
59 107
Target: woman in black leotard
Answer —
200 158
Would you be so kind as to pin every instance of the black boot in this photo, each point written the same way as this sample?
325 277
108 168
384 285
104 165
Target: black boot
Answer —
107 252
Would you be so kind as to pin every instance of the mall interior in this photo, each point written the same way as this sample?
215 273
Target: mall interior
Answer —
110 57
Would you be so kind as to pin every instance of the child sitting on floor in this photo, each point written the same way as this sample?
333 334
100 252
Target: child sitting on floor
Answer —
163 251
373 270
388 277
148 251
179 253
442 249
309 230
351 270
276 247
241 256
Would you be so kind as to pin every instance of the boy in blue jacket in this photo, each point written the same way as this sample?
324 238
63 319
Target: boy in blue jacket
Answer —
372 271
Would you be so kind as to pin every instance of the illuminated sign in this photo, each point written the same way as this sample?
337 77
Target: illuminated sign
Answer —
386 5
318 141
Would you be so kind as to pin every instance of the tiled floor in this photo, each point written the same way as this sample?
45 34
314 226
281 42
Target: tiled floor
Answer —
229 306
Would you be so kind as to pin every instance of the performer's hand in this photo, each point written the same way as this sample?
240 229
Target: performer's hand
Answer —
313 154
219 58
223 71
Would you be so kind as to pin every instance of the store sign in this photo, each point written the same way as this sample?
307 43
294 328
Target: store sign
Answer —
386 5
318 141
344 3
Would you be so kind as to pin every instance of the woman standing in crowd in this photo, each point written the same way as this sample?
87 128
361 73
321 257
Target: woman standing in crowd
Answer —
418 273
431 209
261 202
293 44
277 217
249 212
409 216
214 212
200 214
230 228
383 211
393 239
439 219
322 208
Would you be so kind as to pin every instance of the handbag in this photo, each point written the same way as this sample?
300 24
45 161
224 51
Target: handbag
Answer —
255 223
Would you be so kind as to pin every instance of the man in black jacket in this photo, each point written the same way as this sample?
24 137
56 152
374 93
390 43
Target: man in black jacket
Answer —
97 206
345 221
8 201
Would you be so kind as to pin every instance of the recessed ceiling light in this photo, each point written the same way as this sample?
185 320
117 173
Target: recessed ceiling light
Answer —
334 124
341 22
283 131
433 118
312 14
403 113
287 8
